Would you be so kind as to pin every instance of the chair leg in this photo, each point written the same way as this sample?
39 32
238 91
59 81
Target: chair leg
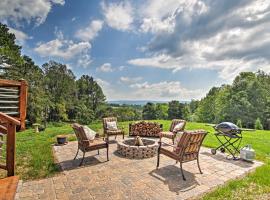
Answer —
123 136
82 158
115 136
198 163
76 154
183 176
98 152
158 158
108 153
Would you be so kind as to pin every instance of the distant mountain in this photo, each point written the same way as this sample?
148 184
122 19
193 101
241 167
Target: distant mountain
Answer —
138 102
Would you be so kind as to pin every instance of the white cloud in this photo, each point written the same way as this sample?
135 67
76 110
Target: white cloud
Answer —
203 34
90 32
26 10
58 33
165 91
159 15
121 68
155 25
102 82
21 37
75 52
160 61
227 68
158 8
61 48
106 88
130 80
84 60
106 67
118 15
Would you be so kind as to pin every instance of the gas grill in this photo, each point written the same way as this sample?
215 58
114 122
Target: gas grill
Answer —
230 137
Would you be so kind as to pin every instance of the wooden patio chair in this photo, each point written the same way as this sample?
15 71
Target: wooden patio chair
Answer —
86 145
109 132
186 149
171 134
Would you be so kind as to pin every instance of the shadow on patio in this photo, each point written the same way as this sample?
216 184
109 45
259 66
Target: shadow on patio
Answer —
222 157
171 175
74 164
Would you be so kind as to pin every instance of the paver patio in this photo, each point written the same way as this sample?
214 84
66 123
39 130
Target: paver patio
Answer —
123 178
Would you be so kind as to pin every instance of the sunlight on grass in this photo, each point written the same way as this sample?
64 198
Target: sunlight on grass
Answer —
34 157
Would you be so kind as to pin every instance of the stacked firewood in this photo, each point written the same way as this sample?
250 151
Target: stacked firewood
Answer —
143 128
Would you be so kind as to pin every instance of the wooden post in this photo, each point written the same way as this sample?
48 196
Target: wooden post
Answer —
10 157
23 102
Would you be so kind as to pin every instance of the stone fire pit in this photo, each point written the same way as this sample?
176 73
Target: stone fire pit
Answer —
131 149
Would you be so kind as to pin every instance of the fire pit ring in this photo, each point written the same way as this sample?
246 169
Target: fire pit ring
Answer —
127 148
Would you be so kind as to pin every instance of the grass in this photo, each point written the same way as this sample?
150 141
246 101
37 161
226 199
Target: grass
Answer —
34 158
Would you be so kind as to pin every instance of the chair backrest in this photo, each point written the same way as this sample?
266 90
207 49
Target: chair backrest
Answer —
108 119
188 146
79 132
177 121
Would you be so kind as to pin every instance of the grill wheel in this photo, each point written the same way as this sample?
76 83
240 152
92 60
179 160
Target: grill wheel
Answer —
222 150
213 151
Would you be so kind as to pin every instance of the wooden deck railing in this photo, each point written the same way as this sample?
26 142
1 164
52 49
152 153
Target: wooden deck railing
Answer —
8 129
13 99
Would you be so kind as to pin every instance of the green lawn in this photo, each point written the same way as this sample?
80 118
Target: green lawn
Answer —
34 158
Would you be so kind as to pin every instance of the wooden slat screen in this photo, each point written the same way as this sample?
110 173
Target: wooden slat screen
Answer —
13 99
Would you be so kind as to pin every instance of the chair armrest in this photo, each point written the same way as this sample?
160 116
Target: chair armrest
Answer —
178 131
162 143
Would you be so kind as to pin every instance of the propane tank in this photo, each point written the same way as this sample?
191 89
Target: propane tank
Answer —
247 153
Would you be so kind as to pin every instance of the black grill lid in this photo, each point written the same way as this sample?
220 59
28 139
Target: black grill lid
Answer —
227 127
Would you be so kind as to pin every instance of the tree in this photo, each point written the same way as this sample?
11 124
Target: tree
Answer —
175 110
247 99
239 123
162 111
193 105
82 114
90 93
37 98
149 111
187 115
60 89
10 53
258 125
54 94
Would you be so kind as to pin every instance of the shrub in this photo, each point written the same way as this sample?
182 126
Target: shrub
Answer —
258 124
239 123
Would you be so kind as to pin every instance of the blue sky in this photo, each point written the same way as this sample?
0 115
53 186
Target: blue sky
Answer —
146 49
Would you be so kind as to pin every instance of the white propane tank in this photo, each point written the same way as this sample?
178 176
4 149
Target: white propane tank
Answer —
247 153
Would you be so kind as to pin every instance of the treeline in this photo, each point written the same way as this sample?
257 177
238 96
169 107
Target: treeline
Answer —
54 92
124 112
171 110
246 102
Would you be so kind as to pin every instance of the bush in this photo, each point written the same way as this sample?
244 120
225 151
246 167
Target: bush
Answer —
239 123
258 124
